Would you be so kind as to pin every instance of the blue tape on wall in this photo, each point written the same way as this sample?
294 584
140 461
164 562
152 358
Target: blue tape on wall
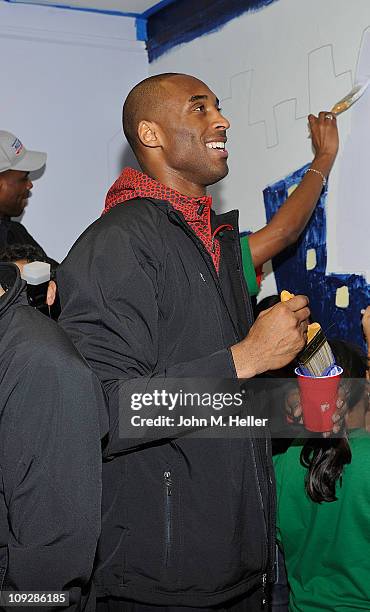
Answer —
185 20
291 270
141 28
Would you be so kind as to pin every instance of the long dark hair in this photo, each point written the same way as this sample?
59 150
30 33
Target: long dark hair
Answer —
325 458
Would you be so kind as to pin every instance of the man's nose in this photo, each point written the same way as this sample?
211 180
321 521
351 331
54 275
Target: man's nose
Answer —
222 122
29 184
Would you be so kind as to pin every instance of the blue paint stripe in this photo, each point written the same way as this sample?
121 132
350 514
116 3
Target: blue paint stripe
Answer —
141 29
76 8
182 21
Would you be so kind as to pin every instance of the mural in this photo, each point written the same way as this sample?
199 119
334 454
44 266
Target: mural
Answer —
181 21
336 300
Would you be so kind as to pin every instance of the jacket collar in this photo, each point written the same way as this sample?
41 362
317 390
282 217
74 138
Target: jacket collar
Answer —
132 184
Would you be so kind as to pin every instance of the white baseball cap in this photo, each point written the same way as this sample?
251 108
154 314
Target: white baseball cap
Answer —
14 155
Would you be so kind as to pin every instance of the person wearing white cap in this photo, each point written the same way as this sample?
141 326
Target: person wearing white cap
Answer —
15 164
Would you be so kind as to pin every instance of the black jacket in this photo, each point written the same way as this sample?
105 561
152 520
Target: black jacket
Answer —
185 521
13 232
50 454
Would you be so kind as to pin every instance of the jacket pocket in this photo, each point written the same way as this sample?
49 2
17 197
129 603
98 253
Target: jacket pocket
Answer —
168 516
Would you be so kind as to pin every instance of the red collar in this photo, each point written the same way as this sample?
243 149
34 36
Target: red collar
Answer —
196 211
134 184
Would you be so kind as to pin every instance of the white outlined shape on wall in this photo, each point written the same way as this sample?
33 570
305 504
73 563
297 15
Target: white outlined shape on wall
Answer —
353 171
320 64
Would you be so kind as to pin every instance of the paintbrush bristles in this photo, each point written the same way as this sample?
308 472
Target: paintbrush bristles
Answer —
350 98
317 358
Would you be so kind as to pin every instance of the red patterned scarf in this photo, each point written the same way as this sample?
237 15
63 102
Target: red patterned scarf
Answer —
196 211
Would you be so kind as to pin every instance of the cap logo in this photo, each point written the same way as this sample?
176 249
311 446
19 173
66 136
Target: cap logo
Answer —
17 146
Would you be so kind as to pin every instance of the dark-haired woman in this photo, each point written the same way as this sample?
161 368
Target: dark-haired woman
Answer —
323 511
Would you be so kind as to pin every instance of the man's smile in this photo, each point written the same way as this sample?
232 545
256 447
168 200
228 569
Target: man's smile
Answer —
218 147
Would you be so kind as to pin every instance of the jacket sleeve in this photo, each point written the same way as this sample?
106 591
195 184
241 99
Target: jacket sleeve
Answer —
51 470
109 287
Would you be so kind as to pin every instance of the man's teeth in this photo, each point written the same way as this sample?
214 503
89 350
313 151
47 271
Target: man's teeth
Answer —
215 145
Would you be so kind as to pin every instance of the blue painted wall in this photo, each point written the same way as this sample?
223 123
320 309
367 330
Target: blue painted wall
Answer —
291 273
185 20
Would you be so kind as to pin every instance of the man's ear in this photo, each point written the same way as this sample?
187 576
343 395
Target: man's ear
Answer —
148 134
52 293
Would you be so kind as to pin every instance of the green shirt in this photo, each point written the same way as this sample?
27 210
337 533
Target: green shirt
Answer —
327 545
248 267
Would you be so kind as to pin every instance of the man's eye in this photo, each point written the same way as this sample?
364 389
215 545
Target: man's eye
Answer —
200 108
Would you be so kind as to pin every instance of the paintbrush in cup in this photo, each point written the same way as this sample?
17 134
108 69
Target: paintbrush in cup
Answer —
317 358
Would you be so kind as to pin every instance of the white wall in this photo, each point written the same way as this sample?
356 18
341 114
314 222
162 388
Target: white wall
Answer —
64 76
270 69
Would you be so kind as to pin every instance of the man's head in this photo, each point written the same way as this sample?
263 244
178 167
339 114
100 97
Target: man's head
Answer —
15 187
15 164
173 122
22 254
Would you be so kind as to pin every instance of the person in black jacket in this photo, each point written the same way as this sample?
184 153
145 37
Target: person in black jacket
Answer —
152 293
16 162
22 254
52 416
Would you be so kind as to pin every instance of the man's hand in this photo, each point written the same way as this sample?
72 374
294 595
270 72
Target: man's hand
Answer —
275 339
325 140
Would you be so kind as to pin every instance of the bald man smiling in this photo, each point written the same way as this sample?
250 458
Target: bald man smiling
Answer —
151 293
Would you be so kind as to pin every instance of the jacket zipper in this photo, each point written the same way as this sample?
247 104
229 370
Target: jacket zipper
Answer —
268 520
210 266
264 595
265 547
208 259
168 514
272 510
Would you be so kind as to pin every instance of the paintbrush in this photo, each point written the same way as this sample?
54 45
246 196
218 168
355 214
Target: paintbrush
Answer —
317 358
355 94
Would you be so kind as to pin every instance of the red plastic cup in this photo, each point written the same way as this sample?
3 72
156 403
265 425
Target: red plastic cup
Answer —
318 399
